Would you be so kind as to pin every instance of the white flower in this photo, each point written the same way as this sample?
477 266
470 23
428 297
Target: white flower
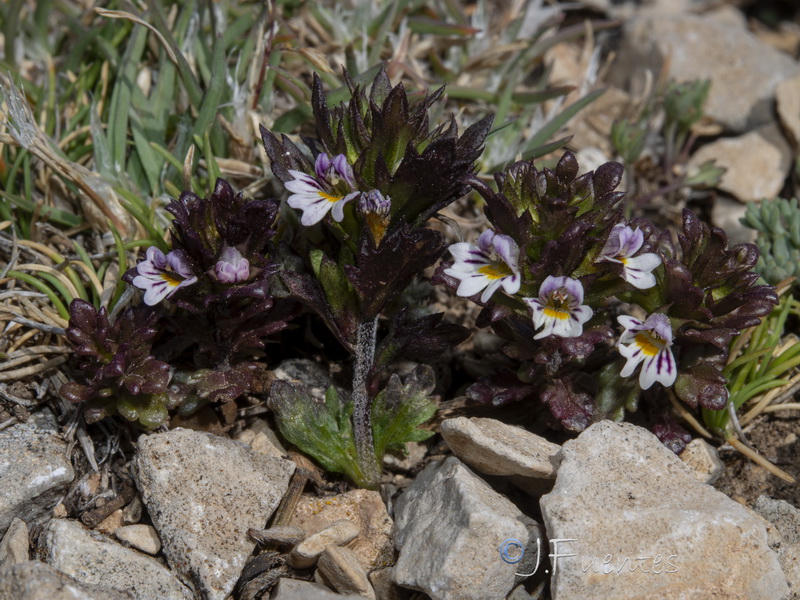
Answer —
160 276
648 343
492 264
622 244
558 308
331 188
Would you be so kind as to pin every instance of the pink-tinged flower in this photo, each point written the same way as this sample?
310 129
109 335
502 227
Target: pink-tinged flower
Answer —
492 264
648 343
161 276
622 244
331 188
232 267
558 308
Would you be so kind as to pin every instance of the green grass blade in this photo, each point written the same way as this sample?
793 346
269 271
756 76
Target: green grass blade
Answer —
560 120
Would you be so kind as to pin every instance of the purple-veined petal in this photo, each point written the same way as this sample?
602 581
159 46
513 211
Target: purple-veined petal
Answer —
630 240
485 240
512 284
322 165
464 252
508 250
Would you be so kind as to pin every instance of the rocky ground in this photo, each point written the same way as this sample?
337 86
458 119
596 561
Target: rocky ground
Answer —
218 507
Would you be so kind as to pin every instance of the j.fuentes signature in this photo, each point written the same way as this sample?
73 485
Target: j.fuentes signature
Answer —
512 551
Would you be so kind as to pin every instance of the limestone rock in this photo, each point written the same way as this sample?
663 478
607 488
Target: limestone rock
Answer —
703 459
93 559
293 589
308 372
494 448
454 533
373 546
634 522
787 96
260 437
34 468
15 545
727 214
743 70
142 537
757 163
34 580
341 568
785 518
385 588
203 492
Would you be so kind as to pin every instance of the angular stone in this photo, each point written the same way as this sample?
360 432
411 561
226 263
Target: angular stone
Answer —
142 537
743 70
494 448
203 493
373 546
703 459
756 163
727 214
15 545
93 559
293 589
385 588
34 580
632 521
787 97
260 437
341 568
785 519
458 538
338 533
308 372
34 468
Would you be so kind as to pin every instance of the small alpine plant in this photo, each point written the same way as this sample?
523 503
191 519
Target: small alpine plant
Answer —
207 304
600 312
370 181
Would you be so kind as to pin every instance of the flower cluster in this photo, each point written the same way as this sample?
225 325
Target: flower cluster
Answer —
598 312
209 296
569 267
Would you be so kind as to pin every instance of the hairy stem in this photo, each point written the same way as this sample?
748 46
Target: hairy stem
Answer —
362 403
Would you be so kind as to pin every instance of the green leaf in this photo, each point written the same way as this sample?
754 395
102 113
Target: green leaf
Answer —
320 428
400 408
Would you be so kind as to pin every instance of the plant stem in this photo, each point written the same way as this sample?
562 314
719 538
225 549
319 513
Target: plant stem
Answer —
362 403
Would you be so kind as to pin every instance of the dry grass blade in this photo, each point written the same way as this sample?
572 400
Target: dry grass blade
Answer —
121 14
760 460
33 369
100 201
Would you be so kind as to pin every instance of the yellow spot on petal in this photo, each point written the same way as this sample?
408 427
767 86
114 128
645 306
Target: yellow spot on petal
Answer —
330 198
495 271
555 313
648 343
172 279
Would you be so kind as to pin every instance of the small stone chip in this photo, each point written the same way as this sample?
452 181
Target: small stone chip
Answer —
141 537
337 533
340 566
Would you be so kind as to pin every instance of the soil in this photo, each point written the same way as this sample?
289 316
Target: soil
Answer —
777 438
